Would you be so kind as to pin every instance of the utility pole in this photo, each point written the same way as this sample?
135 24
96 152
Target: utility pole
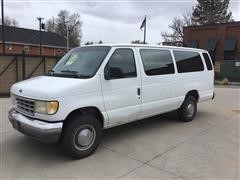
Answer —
40 34
3 36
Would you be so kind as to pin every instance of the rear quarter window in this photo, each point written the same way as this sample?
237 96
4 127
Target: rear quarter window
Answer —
207 61
188 61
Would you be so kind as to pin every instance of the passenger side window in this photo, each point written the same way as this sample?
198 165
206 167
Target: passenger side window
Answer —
121 65
207 61
157 62
188 61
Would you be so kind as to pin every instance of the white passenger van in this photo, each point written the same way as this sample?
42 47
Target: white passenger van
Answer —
97 87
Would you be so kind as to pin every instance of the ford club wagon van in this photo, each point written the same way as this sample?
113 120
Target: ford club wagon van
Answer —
101 86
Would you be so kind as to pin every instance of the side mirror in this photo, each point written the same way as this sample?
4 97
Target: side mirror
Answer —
112 73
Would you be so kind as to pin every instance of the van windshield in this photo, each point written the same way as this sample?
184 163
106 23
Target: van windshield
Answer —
80 62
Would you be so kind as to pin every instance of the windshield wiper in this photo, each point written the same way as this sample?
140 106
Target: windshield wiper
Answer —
75 74
69 71
50 72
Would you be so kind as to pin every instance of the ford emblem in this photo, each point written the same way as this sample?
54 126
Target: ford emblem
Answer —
20 90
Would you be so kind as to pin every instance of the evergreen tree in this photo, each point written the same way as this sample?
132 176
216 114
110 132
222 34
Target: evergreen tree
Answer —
211 11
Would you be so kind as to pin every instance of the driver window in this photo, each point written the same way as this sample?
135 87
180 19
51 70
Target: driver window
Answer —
121 64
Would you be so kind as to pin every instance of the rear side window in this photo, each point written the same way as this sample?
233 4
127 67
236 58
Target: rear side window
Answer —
121 64
207 61
188 61
157 62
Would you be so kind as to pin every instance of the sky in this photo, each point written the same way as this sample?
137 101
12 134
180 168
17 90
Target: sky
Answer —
112 21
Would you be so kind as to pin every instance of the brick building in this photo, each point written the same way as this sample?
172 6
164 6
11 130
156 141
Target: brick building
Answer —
18 40
221 40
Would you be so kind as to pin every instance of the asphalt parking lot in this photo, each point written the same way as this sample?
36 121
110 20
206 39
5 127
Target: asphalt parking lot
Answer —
160 147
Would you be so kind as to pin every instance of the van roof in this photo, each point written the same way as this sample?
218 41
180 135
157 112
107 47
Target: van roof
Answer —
148 46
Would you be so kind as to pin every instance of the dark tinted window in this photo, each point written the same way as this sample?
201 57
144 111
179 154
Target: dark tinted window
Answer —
207 61
188 61
157 62
121 64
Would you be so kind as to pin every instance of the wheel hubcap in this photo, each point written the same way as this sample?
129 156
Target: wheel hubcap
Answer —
190 109
84 137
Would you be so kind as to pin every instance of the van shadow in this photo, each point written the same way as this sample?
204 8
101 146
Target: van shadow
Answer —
26 148
137 127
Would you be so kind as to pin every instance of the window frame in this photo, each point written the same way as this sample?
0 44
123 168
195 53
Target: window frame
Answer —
230 41
190 52
209 42
171 55
193 42
230 46
107 63
209 58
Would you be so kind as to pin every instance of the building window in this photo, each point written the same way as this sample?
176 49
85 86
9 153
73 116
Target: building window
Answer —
211 47
26 48
229 49
59 51
212 44
193 44
8 47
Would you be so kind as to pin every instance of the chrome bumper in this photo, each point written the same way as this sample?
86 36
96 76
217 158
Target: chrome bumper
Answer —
43 131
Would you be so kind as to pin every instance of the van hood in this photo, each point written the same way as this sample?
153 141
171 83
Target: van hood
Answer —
50 87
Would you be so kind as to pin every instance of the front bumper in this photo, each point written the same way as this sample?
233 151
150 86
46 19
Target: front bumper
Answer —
43 131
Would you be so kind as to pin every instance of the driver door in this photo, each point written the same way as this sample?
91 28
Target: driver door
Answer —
121 85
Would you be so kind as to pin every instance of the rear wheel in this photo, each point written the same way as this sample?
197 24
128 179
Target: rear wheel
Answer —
82 135
188 109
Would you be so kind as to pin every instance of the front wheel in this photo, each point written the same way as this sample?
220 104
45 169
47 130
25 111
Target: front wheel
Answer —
82 135
188 109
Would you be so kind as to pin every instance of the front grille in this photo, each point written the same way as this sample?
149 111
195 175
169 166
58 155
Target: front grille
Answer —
25 105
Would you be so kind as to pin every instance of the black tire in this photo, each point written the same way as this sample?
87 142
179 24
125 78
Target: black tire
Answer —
184 112
77 130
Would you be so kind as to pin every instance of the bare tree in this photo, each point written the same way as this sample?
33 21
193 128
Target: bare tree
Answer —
59 25
50 25
176 34
10 21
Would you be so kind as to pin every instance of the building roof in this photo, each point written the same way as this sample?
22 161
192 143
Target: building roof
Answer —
234 23
30 36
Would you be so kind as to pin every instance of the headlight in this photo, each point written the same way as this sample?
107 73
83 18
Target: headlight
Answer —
45 107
